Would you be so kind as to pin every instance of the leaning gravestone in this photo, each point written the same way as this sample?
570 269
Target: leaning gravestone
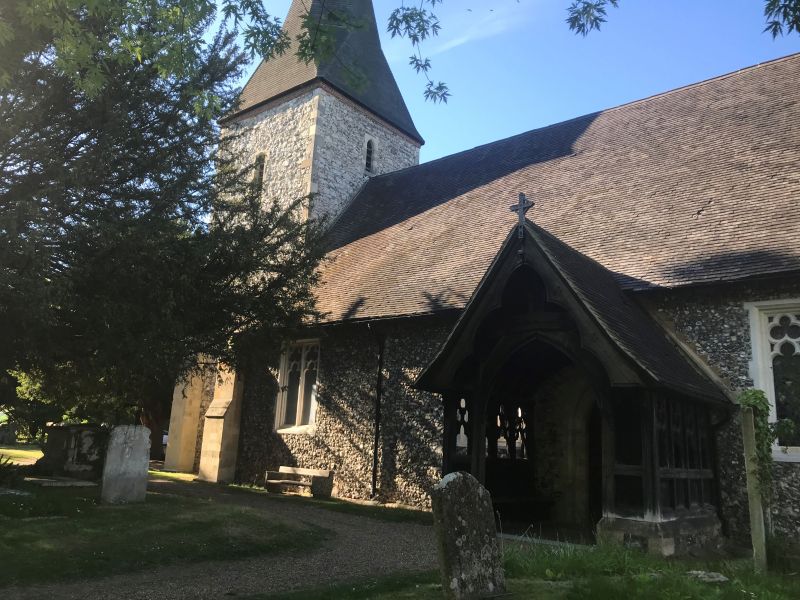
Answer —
125 469
469 556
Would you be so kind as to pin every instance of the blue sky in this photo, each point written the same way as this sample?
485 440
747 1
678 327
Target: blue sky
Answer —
513 65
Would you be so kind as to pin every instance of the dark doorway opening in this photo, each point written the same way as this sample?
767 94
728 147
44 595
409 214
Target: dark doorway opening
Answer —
543 450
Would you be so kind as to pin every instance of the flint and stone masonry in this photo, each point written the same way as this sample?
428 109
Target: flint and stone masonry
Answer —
315 143
343 435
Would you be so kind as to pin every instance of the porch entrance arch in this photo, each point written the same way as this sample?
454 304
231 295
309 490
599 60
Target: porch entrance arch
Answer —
570 403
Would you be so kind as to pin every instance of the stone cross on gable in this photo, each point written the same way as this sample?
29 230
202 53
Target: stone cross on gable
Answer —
523 206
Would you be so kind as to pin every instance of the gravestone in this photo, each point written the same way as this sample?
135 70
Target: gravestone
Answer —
125 469
470 560
8 434
73 451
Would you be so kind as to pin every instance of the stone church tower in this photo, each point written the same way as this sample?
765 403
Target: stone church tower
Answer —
321 128
325 128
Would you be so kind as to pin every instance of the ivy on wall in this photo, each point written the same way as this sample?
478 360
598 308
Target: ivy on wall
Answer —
765 433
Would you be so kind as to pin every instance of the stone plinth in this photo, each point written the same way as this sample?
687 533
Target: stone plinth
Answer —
125 469
470 559
696 532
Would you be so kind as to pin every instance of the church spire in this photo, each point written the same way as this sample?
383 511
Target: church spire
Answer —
355 67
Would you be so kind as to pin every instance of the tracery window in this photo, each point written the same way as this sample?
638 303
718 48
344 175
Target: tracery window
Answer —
783 334
298 385
775 368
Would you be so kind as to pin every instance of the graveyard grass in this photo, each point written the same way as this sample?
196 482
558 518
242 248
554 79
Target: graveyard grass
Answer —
24 454
59 534
545 572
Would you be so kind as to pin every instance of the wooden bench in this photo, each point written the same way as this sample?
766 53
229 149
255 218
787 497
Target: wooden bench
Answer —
319 481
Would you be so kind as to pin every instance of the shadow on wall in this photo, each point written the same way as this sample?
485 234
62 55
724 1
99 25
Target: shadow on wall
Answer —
410 436
390 199
411 430
343 440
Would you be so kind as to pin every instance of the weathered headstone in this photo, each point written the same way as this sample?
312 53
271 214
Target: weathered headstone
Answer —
469 554
73 451
125 469
8 433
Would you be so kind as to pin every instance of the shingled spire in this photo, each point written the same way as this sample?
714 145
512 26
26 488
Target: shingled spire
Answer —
356 68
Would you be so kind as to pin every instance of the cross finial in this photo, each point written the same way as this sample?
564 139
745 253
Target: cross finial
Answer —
523 206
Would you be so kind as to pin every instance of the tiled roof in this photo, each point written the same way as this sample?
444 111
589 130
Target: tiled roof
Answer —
619 318
357 67
628 326
697 185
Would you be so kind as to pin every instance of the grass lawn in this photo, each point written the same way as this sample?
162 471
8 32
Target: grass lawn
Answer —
172 476
418 586
22 454
64 534
603 573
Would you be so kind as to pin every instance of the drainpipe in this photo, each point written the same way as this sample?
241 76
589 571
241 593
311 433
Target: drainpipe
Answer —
380 338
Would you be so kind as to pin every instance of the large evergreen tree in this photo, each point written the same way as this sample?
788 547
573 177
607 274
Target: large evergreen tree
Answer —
130 241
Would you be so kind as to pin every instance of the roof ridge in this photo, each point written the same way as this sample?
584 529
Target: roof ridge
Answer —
795 55
700 83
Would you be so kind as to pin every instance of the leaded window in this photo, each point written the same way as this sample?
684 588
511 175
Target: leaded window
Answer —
783 335
298 385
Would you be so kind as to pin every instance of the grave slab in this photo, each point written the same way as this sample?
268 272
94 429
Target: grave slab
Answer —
125 468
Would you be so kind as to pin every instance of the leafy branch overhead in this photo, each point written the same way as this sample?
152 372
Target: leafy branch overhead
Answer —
171 33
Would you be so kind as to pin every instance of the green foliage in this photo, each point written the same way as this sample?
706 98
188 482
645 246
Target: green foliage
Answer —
10 472
29 407
584 16
765 433
783 16
130 238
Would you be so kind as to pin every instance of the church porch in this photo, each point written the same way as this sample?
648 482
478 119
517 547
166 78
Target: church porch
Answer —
581 418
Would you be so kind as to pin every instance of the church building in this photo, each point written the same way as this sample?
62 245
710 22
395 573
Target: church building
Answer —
568 314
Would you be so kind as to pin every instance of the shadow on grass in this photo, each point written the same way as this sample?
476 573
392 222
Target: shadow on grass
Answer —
60 534
380 513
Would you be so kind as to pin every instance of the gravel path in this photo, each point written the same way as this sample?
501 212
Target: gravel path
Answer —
362 547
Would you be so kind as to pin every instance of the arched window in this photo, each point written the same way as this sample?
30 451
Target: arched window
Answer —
370 155
298 385
258 172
